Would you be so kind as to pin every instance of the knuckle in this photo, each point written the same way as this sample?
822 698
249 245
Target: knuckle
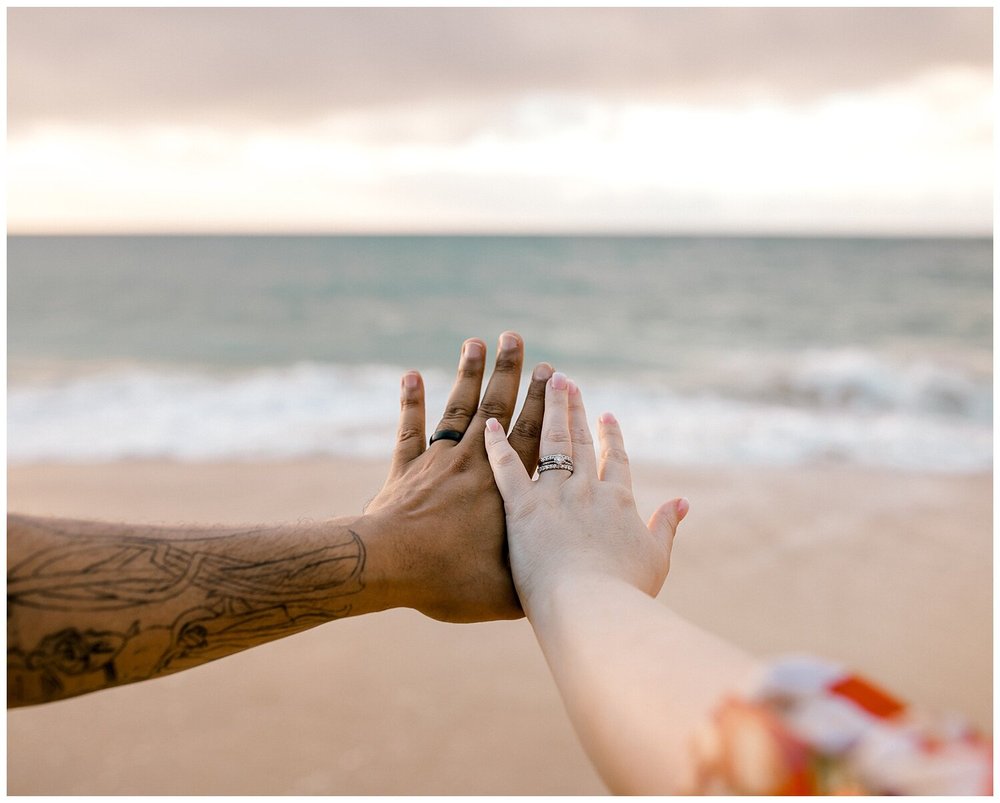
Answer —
506 460
581 493
469 372
457 410
623 497
410 402
527 430
615 455
409 433
556 435
491 408
582 435
463 461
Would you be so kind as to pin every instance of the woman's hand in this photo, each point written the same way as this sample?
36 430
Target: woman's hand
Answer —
636 678
579 525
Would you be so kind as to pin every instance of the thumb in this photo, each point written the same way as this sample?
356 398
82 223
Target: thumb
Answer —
666 518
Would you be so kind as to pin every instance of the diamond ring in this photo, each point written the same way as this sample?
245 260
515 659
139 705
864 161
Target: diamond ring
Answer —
555 462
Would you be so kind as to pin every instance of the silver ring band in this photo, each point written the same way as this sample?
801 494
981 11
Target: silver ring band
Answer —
555 468
555 462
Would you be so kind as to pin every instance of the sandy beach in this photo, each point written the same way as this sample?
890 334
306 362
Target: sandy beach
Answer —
888 572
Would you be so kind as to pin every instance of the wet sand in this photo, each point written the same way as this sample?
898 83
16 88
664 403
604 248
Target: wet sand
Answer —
888 572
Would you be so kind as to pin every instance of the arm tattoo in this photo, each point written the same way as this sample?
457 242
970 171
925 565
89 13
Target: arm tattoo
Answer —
158 605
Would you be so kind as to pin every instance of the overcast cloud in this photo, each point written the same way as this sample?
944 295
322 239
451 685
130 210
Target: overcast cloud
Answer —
653 119
276 66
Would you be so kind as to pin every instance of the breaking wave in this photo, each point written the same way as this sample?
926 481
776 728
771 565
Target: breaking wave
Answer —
813 407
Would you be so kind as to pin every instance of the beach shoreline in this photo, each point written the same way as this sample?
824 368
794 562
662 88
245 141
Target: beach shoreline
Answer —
889 572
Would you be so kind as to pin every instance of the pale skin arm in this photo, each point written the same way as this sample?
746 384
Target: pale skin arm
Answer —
636 678
93 605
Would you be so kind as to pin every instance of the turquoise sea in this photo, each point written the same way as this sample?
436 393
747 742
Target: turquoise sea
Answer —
723 350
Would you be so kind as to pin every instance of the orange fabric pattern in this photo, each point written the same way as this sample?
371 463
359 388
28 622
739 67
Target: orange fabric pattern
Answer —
808 727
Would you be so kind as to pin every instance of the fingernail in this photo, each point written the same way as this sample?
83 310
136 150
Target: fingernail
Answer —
559 380
474 350
492 424
608 418
542 372
572 387
411 381
683 506
508 341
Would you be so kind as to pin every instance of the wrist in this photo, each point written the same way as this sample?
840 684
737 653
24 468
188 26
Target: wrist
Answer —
446 573
400 572
380 579
557 592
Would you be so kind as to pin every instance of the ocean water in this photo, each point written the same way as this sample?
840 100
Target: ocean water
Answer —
711 351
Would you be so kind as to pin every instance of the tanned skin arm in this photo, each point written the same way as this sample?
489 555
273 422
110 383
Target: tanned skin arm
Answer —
94 605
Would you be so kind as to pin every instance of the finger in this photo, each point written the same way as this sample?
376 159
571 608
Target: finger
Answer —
464 397
410 435
555 424
613 466
509 473
527 430
666 518
501 392
584 460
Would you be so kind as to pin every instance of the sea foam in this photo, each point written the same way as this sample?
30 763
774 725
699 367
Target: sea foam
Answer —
818 407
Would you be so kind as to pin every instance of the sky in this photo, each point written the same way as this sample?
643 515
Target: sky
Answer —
643 120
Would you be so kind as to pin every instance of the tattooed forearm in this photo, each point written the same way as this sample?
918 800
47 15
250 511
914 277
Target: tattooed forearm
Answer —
88 609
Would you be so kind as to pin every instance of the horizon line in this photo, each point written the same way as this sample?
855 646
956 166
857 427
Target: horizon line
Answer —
511 233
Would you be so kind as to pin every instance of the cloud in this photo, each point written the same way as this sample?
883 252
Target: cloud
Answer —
887 160
282 66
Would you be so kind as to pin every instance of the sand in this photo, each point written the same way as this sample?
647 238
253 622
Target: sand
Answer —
888 572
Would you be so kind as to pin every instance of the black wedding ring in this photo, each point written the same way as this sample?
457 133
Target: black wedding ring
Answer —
446 435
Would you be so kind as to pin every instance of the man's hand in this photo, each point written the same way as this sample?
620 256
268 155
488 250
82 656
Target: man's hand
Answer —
92 605
440 502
